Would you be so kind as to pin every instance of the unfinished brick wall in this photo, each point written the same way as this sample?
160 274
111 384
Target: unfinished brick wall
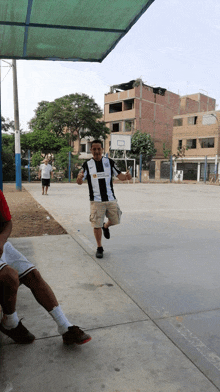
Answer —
153 113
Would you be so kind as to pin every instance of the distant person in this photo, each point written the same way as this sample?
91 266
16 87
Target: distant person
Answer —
44 174
15 269
99 172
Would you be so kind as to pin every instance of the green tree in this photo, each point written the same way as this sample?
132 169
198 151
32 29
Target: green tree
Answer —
61 161
42 140
7 125
141 143
36 159
97 130
8 143
8 157
166 151
61 158
71 117
39 121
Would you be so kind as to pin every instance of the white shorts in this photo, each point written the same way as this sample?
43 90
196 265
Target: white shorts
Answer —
15 260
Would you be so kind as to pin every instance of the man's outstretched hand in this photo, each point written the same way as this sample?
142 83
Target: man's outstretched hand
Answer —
79 179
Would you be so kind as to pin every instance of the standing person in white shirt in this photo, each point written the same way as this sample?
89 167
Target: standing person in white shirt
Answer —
44 173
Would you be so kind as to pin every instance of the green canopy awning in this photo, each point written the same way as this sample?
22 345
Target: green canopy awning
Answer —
74 30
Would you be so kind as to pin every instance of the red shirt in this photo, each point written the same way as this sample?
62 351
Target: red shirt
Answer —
4 209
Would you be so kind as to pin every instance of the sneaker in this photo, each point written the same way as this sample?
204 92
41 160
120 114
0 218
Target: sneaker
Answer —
106 232
20 334
75 335
99 252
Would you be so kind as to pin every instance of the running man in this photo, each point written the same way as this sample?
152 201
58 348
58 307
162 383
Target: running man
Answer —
99 172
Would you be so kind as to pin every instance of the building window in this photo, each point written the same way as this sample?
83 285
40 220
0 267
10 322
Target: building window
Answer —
115 107
116 127
177 122
192 120
207 143
128 104
82 147
191 143
209 119
129 126
180 144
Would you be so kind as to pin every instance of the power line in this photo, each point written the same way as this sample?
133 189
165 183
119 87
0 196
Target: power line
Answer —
6 73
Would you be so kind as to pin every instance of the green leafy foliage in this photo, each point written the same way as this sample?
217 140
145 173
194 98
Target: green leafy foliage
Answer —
166 151
97 130
61 158
36 159
71 117
61 161
141 143
42 140
8 143
39 120
8 157
6 124
8 166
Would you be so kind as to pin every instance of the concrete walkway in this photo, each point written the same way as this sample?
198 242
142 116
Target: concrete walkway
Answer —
129 301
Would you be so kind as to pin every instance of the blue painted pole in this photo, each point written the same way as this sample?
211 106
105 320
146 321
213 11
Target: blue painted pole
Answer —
205 169
29 166
69 166
171 168
18 171
140 166
1 176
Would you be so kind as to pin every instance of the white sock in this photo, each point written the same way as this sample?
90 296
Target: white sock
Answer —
10 321
61 320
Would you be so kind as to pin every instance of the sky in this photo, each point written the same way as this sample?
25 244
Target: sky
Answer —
174 45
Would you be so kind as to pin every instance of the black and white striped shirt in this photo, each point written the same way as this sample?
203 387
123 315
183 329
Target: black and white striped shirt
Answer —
99 176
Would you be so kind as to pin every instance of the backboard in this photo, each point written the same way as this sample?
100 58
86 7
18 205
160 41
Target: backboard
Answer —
121 142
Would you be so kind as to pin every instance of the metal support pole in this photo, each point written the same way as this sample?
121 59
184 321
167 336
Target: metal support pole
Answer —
134 171
1 176
216 167
69 166
29 166
205 170
171 168
17 131
140 166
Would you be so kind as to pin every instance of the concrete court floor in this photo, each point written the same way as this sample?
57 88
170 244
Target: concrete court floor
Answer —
162 323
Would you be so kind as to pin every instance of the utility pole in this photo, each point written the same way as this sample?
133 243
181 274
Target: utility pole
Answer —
17 131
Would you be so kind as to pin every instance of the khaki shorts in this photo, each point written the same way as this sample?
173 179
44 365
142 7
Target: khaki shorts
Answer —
98 211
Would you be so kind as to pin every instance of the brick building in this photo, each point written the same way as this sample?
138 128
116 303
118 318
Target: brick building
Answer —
196 137
133 106
136 106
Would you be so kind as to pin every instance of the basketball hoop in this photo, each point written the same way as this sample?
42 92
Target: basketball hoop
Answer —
122 142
